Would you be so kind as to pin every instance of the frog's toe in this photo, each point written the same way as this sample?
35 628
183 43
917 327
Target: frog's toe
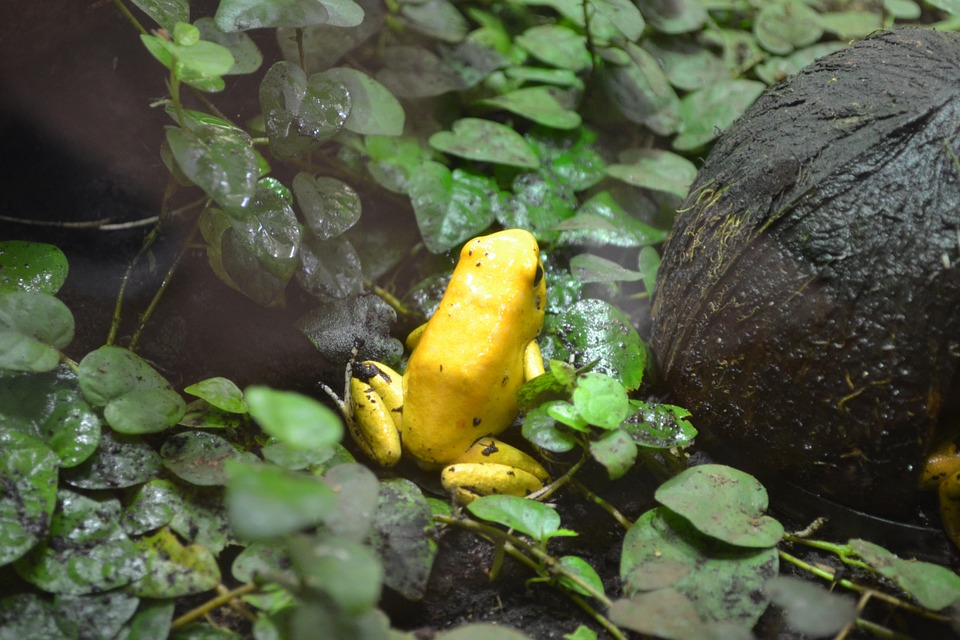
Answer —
468 481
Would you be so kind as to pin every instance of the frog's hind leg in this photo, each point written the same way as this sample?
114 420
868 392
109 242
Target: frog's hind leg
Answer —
490 467
942 472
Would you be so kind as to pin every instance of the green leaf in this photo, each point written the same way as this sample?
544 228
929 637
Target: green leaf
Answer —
300 114
616 451
688 65
584 572
266 501
557 46
482 631
153 506
910 10
330 206
596 331
602 221
712 109
622 14
244 15
166 13
601 400
566 414
343 569
98 616
570 156
438 19
27 615
198 457
451 207
198 63
785 25
640 90
659 426
849 25
87 550
145 411
486 141
539 203
31 266
932 586
655 169
663 552
649 263
119 461
174 570
220 161
33 327
415 72
373 109
330 269
298 420
221 393
775 69
153 620
675 16
51 407
28 473
666 613
403 537
586 267
724 503
534 519
246 55
540 428
538 104
811 610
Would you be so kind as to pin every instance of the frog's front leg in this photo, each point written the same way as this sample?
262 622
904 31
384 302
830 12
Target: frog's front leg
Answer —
376 404
489 467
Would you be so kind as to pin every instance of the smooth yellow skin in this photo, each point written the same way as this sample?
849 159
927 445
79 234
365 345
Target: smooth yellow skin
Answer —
942 472
466 365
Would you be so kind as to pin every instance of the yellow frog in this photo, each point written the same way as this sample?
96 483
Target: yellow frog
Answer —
466 364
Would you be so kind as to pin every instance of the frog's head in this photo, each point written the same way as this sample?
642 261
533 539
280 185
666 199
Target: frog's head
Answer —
508 263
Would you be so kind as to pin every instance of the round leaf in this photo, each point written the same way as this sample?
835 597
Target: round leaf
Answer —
119 461
219 160
537 104
145 411
557 46
451 207
534 519
173 569
98 617
782 26
244 15
299 421
110 372
33 326
330 206
486 141
403 537
812 610
601 400
27 615
221 393
246 56
709 111
724 503
31 266
28 473
657 170
343 569
373 109
616 451
198 457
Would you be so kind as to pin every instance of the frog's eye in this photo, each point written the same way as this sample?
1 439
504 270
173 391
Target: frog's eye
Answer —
538 276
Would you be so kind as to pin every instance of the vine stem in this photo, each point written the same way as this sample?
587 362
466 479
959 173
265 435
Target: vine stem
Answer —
214 603
540 562
606 506
129 16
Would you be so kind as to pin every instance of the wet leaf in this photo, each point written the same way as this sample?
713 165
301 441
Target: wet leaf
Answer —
27 615
87 551
451 206
712 109
659 426
655 169
152 507
94 617
571 156
934 587
811 610
586 267
325 44
166 13
198 457
244 15
602 221
173 569
724 503
537 104
195 513
51 407
540 428
28 474
595 331
198 63
221 393
330 269
246 55
403 537
601 400
640 90
373 109
266 501
119 461
557 46
438 19
300 114
540 201
344 570
33 327
298 420
485 141
31 266
724 583
393 160
218 160
330 206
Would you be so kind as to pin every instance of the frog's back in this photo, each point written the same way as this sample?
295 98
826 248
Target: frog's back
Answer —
462 377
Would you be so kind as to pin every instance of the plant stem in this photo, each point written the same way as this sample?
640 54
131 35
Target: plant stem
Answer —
606 506
129 16
213 603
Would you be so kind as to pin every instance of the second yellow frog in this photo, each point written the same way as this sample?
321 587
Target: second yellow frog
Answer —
466 364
